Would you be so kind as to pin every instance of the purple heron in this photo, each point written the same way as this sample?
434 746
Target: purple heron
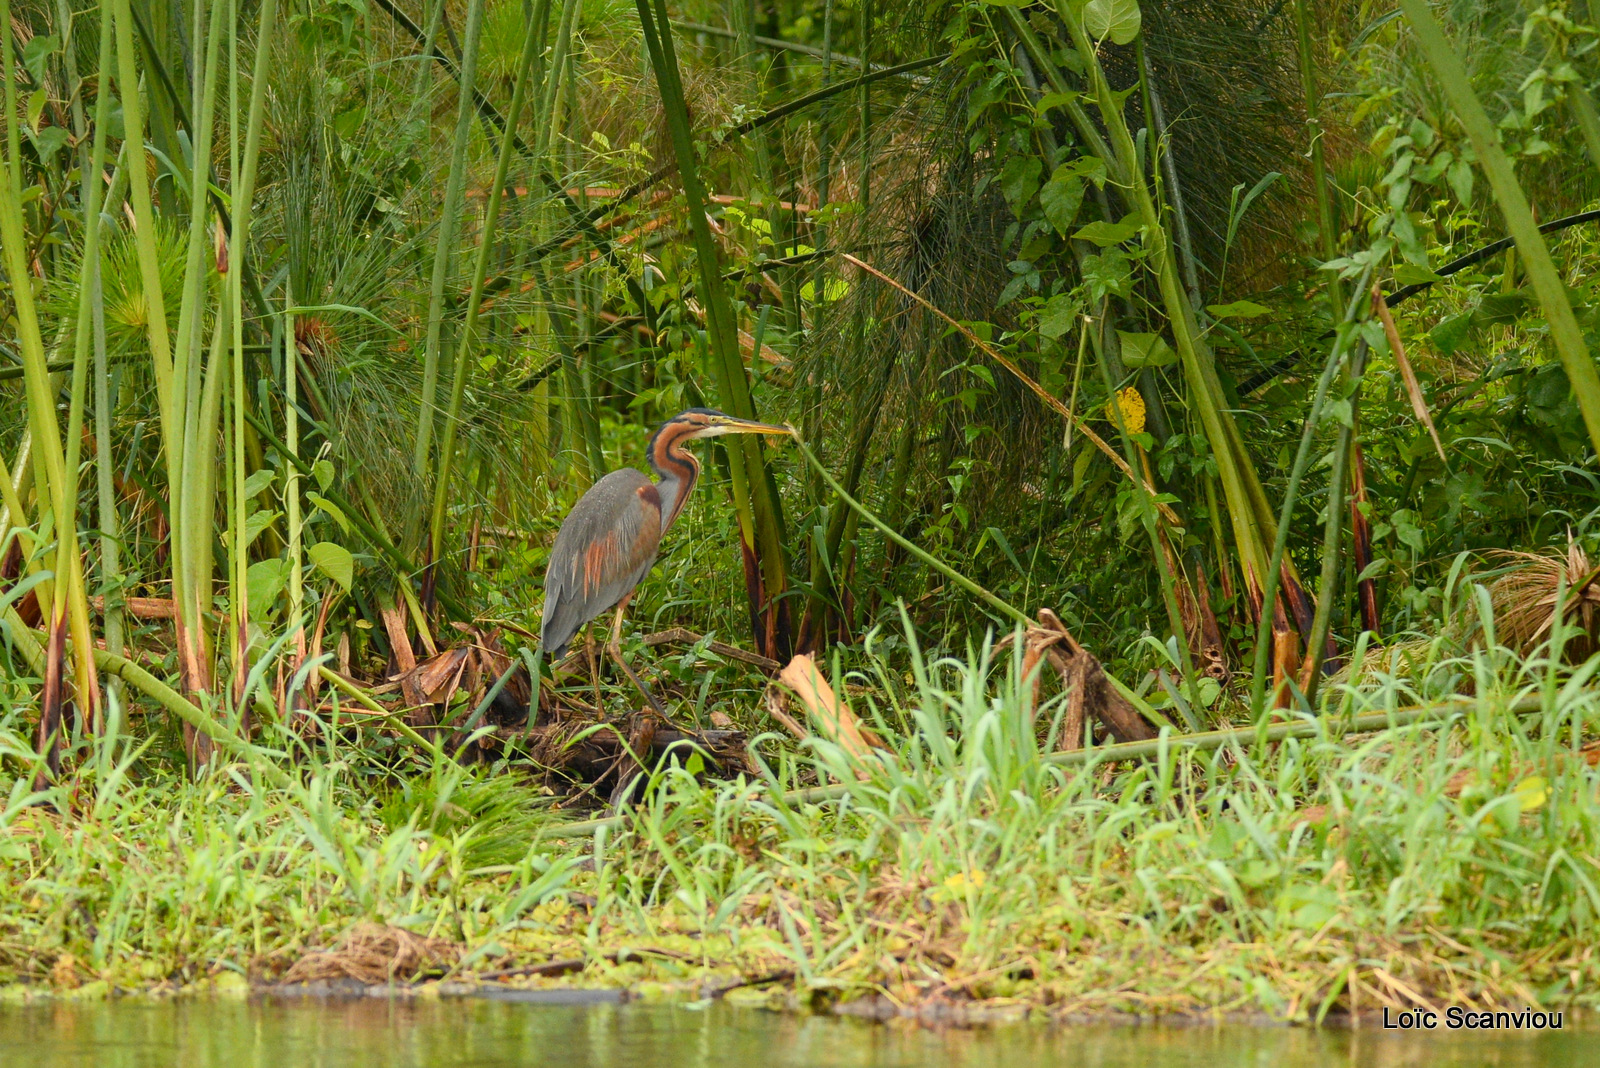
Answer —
609 540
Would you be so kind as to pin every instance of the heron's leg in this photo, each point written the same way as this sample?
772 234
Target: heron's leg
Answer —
614 648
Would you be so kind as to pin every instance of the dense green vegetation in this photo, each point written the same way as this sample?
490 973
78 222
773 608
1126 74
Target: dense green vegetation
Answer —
320 316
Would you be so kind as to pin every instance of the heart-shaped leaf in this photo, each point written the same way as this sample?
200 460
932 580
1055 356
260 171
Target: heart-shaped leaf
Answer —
335 561
264 581
1116 19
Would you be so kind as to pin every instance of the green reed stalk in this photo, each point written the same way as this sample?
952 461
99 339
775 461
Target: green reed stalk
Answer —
110 537
1150 518
758 512
196 398
291 481
532 45
1332 557
238 250
1541 269
90 325
1250 515
63 596
444 250
1269 592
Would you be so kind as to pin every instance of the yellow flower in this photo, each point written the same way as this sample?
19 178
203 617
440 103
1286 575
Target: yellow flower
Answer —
959 882
1132 405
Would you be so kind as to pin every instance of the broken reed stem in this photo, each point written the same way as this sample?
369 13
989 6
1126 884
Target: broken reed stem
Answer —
1419 404
1193 743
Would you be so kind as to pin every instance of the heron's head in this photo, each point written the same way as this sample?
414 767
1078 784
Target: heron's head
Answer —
710 423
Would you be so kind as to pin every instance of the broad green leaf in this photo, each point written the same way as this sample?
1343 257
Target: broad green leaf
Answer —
1106 234
1019 181
1460 178
335 561
48 141
1145 350
1053 100
322 470
259 481
1116 19
833 289
1449 335
36 56
264 581
1058 317
258 521
332 509
1409 274
36 102
1109 272
1060 198
1090 167
1239 309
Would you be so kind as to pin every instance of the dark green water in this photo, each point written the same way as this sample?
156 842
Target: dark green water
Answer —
488 1034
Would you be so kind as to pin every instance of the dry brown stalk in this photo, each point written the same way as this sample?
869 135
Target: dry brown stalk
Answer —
141 607
405 662
1419 404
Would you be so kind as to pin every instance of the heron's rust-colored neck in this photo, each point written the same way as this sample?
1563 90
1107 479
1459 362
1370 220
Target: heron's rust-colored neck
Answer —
678 470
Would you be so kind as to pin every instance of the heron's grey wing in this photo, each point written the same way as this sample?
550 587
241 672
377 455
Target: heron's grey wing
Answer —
605 546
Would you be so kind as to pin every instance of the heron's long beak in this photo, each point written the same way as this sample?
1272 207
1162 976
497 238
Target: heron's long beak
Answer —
727 424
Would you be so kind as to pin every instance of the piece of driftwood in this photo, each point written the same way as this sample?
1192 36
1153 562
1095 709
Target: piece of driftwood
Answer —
1090 693
605 754
684 636
141 607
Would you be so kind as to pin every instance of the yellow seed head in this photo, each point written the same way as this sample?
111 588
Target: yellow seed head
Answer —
1132 405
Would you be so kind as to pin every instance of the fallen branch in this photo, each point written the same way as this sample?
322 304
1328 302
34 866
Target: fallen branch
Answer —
684 636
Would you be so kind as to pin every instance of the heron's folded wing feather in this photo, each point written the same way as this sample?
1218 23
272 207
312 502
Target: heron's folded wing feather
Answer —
605 546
